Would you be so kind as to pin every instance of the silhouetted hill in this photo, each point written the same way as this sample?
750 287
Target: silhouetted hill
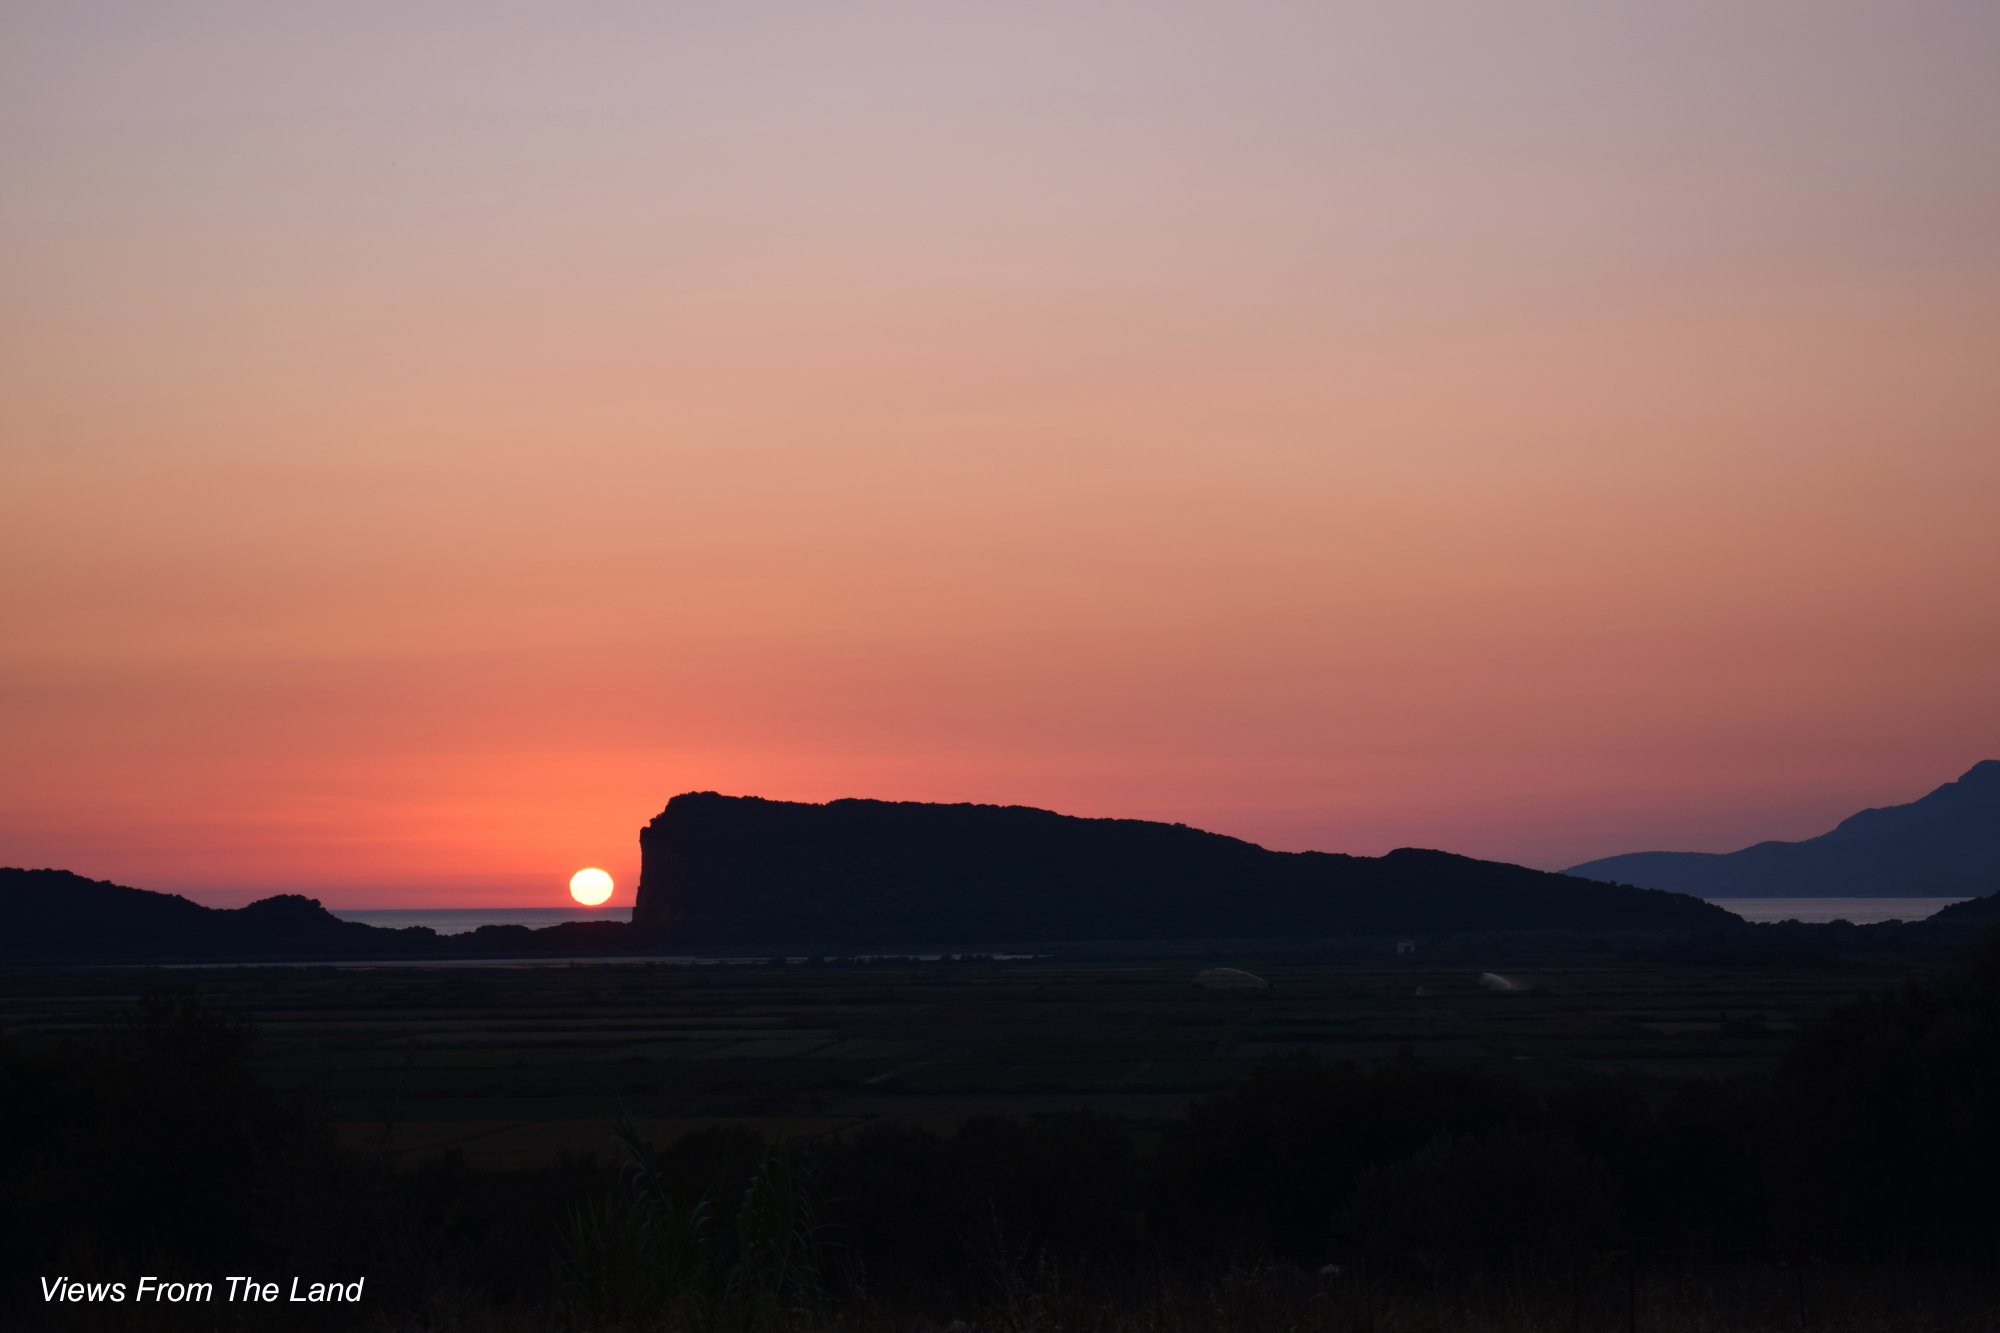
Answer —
1946 845
53 916
56 916
1972 912
723 870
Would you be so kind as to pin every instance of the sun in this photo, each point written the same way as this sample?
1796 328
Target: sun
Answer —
590 886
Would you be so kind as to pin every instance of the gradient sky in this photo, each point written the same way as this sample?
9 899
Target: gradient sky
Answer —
432 435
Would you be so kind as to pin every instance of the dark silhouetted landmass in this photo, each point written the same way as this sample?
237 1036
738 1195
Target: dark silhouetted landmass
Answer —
1972 912
53 916
729 870
1946 845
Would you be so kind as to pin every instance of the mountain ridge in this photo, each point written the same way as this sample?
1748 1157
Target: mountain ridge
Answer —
722 869
1944 844
60 917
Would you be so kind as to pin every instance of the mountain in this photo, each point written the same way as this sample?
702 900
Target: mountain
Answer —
1946 845
729 870
740 870
1972 912
53 916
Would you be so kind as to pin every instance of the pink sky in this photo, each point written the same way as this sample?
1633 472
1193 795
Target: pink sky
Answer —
431 436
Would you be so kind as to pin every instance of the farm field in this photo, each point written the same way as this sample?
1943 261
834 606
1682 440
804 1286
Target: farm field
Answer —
515 1066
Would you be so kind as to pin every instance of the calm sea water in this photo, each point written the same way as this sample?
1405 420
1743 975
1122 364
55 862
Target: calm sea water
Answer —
458 920
1861 911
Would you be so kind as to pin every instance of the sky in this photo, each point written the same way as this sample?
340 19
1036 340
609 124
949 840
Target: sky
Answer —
433 435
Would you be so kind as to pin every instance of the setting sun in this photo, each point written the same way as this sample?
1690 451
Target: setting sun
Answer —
590 886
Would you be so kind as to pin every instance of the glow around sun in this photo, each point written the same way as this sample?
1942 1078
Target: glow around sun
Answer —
590 886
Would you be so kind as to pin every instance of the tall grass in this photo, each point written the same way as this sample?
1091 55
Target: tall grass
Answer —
637 1255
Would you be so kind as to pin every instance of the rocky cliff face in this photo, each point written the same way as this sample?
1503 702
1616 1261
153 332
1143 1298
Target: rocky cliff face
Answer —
723 870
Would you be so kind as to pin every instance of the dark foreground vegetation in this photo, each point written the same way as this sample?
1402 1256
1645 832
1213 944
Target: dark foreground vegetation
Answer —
1851 1188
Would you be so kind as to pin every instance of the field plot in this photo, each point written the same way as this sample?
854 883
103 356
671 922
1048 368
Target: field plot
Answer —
514 1066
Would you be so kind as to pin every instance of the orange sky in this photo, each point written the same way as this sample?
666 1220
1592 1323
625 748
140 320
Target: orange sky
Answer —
434 435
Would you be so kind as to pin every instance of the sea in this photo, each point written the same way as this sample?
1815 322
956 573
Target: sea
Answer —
457 920
1861 911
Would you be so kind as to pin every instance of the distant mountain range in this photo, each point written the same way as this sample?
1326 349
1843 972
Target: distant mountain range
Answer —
1946 845
736 870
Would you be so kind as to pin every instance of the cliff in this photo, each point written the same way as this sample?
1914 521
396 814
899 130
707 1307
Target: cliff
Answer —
738 870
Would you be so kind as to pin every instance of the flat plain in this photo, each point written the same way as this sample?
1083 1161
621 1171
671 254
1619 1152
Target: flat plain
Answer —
516 1065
